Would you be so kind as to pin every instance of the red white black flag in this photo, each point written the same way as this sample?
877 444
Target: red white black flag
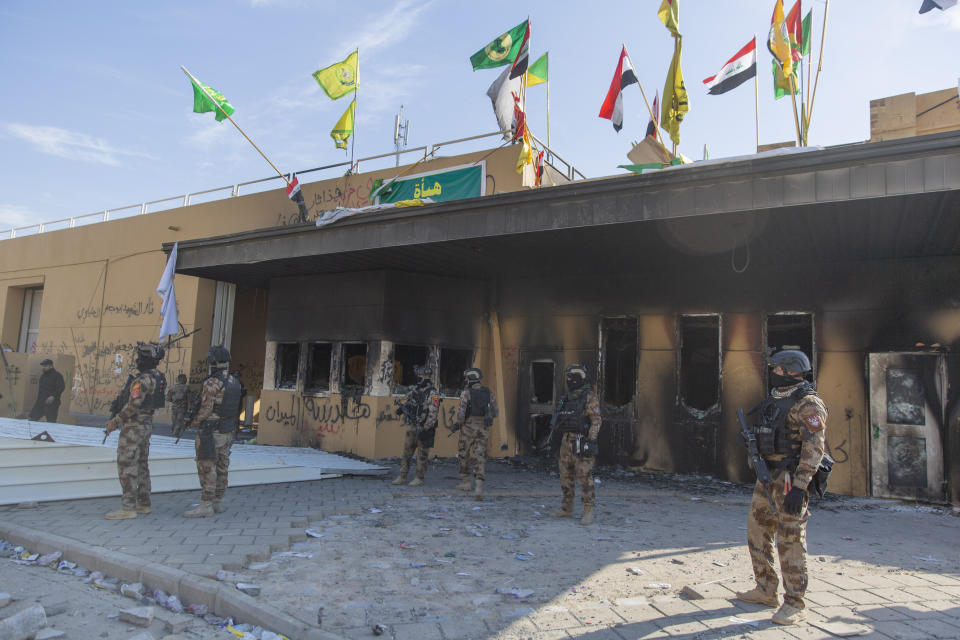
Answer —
293 192
624 76
738 69
523 56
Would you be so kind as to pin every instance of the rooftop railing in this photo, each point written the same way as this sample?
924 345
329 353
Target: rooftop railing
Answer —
233 191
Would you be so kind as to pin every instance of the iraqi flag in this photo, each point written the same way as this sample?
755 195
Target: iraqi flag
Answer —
738 69
624 76
522 60
294 193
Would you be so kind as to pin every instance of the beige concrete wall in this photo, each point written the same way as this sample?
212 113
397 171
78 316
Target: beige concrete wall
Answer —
100 280
22 383
909 114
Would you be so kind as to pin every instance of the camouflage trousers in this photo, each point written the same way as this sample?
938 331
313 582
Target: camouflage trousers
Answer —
213 473
791 536
472 447
575 468
410 445
133 449
178 416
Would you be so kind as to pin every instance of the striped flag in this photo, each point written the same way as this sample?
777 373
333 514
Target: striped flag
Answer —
523 57
624 76
737 70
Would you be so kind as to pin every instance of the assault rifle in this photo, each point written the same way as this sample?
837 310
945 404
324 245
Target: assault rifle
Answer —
410 410
756 461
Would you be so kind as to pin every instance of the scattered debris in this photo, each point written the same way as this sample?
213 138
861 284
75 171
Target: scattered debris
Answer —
691 593
198 610
752 623
375 510
249 589
49 559
516 592
66 567
314 533
134 590
379 629
24 624
139 616
637 571
658 585
293 554
719 564
676 561
926 559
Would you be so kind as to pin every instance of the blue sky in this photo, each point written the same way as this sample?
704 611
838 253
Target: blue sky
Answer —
96 114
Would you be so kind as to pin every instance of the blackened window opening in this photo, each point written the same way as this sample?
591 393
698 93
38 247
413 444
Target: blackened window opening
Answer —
288 362
542 383
354 368
790 331
619 360
700 361
405 358
318 367
453 362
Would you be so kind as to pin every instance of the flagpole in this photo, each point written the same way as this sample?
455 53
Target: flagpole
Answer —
816 80
656 127
756 96
548 109
353 137
227 115
793 101
676 45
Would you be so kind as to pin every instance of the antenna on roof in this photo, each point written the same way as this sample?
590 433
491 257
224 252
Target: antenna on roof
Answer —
401 128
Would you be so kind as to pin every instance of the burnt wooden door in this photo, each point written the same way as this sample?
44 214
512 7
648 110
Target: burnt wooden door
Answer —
906 444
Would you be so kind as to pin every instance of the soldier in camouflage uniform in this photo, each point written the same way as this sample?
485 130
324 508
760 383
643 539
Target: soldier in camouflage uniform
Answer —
791 436
424 400
179 396
475 414
216 421
577 418
135 421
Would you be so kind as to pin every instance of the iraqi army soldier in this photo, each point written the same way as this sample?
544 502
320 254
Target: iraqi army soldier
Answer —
790 425
179 396
577 419
419 409
216 423
475 414
137 402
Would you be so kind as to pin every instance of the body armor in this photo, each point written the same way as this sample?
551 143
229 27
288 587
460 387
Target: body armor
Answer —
774 437
229 408
479 401
569 414
158 397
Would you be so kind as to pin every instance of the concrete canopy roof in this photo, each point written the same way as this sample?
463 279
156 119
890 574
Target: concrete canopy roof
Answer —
892 199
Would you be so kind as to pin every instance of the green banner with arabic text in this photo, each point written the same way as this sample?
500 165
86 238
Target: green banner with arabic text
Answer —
442 186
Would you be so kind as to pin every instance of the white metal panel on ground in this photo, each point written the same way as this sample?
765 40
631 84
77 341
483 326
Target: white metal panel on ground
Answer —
77 465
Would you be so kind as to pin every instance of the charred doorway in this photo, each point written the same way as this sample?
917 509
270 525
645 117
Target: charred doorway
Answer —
540 387
698 393
907 425
619 348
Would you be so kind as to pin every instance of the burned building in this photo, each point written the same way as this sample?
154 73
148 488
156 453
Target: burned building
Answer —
672 287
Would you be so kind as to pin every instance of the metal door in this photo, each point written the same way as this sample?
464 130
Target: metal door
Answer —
906 414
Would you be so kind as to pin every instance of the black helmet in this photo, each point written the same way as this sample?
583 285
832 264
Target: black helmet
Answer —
791 360
423 370
218 354
472 375
576 370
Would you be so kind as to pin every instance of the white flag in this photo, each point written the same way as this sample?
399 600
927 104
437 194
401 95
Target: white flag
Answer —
501 95
169 325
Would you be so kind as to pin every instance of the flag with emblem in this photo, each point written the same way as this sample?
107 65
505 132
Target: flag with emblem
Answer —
778 41
342 131
208 99
502 50
737 70
624 76
338 79
676 104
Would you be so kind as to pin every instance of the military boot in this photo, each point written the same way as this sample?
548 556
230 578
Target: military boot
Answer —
478 490
400 479
202 510
758 596
565 511
144 509
217 506
789 614
464 484
121 514
587 518
416 482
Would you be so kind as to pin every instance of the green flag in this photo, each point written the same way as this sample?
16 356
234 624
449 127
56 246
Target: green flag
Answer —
344 127
807 24
501 51
537 72
203 103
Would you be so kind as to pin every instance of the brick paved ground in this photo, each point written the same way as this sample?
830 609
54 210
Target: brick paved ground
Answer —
899 575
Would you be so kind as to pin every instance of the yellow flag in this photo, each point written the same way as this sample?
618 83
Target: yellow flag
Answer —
344 127
669 14
338 79
526 153
675 101
778 42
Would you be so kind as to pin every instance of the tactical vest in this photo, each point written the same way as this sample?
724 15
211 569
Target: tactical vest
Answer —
156 399
569 414
479 401
770 427
229 407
